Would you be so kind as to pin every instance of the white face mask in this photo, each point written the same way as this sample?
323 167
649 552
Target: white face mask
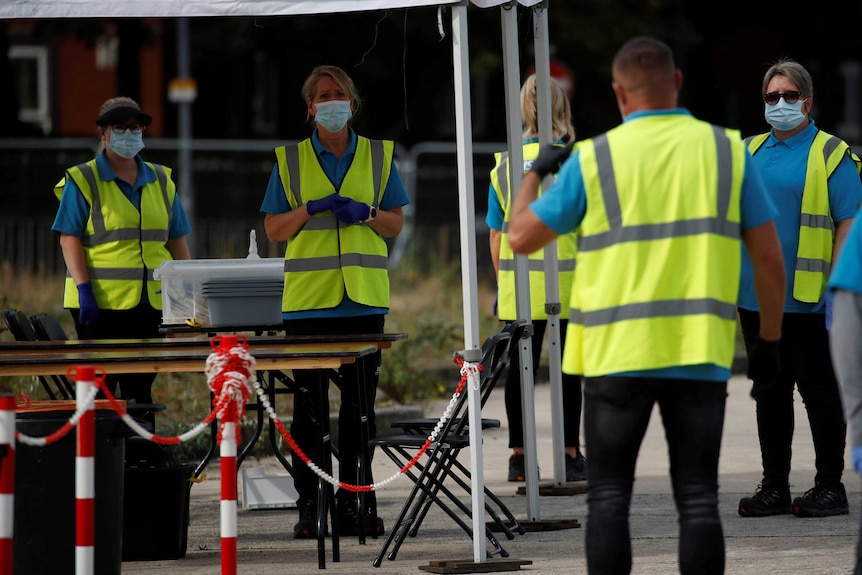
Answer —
783 116
333 115
127 144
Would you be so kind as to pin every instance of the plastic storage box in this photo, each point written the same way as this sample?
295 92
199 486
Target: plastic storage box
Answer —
183 300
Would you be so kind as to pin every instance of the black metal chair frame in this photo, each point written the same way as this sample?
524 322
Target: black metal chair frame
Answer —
56 386
442 462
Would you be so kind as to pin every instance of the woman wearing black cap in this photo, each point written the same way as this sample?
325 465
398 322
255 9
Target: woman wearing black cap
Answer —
119 218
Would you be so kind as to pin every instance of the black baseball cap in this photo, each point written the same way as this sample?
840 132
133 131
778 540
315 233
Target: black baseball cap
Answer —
121 110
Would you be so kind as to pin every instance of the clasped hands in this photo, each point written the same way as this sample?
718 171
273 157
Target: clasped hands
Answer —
345 209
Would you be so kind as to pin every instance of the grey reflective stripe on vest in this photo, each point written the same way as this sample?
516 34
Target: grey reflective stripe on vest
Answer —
653 309
823 222
162 176
810 221
831 145
116 273
813 265
321 223
646 232
100 235
503 180
335 263
376 169
564 265
291 155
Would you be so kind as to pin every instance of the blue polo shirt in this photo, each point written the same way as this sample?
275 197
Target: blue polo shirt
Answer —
74 211
275 202
783 165
562 208
847 273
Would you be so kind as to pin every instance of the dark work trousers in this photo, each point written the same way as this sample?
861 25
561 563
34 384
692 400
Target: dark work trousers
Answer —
571 392
616 413
805 363
140 322
306 409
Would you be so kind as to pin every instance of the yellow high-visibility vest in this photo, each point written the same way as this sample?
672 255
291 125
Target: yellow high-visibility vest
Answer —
659 248
122 246
566 250
816 228
327 257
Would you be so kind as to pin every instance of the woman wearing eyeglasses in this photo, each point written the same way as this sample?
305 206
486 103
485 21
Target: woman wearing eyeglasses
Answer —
119 218
811 178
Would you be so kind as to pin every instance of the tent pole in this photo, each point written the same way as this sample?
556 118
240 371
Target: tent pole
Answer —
511 67
469 275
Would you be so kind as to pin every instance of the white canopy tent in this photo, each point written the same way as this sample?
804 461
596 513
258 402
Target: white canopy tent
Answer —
10 9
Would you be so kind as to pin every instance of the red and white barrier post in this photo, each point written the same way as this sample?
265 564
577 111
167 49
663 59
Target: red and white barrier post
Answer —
228 369
85 491
7 480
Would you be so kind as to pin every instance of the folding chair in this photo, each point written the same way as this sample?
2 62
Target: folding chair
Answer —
47 328
430 473
57 387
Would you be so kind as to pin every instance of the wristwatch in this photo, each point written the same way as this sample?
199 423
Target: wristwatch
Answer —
372 213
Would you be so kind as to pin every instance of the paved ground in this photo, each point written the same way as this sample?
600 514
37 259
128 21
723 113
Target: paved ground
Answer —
780 545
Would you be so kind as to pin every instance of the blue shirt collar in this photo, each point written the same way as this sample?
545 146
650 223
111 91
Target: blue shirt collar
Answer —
664 112
106 172
320 150
803 138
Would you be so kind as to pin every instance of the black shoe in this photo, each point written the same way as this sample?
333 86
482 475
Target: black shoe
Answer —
766 501
576 468
822 501
349 522
517 471
306 527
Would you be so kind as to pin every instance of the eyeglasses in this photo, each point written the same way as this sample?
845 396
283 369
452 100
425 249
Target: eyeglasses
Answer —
790 96
121 128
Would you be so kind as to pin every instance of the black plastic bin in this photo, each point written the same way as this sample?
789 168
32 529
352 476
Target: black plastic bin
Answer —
44 524
156 503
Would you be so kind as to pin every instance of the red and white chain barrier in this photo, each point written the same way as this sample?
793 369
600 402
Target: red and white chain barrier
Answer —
7 480
230 371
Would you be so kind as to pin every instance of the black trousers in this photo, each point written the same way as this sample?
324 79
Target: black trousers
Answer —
306 408
571 392
805 363
140 322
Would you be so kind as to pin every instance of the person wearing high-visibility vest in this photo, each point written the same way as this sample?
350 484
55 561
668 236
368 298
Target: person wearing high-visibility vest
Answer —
334 197
811 177
845 283
119 219
499 211
661 205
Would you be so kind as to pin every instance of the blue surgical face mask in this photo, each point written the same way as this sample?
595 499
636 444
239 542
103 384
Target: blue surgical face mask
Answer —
783 116
127 144
333 114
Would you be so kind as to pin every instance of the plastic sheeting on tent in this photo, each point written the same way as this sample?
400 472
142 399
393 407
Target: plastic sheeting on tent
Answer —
197 8
463 128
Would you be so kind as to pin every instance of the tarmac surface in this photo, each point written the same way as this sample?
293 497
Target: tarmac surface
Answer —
776 545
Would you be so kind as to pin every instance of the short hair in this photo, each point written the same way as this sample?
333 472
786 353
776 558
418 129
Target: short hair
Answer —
561 110
793 71
309 87
646 57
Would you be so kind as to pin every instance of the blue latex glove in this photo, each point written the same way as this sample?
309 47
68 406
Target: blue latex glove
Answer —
327 204
495 305
352 212
857 459
87 302
829 297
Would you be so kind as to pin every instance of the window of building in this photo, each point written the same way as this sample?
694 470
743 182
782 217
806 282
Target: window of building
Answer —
30 69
